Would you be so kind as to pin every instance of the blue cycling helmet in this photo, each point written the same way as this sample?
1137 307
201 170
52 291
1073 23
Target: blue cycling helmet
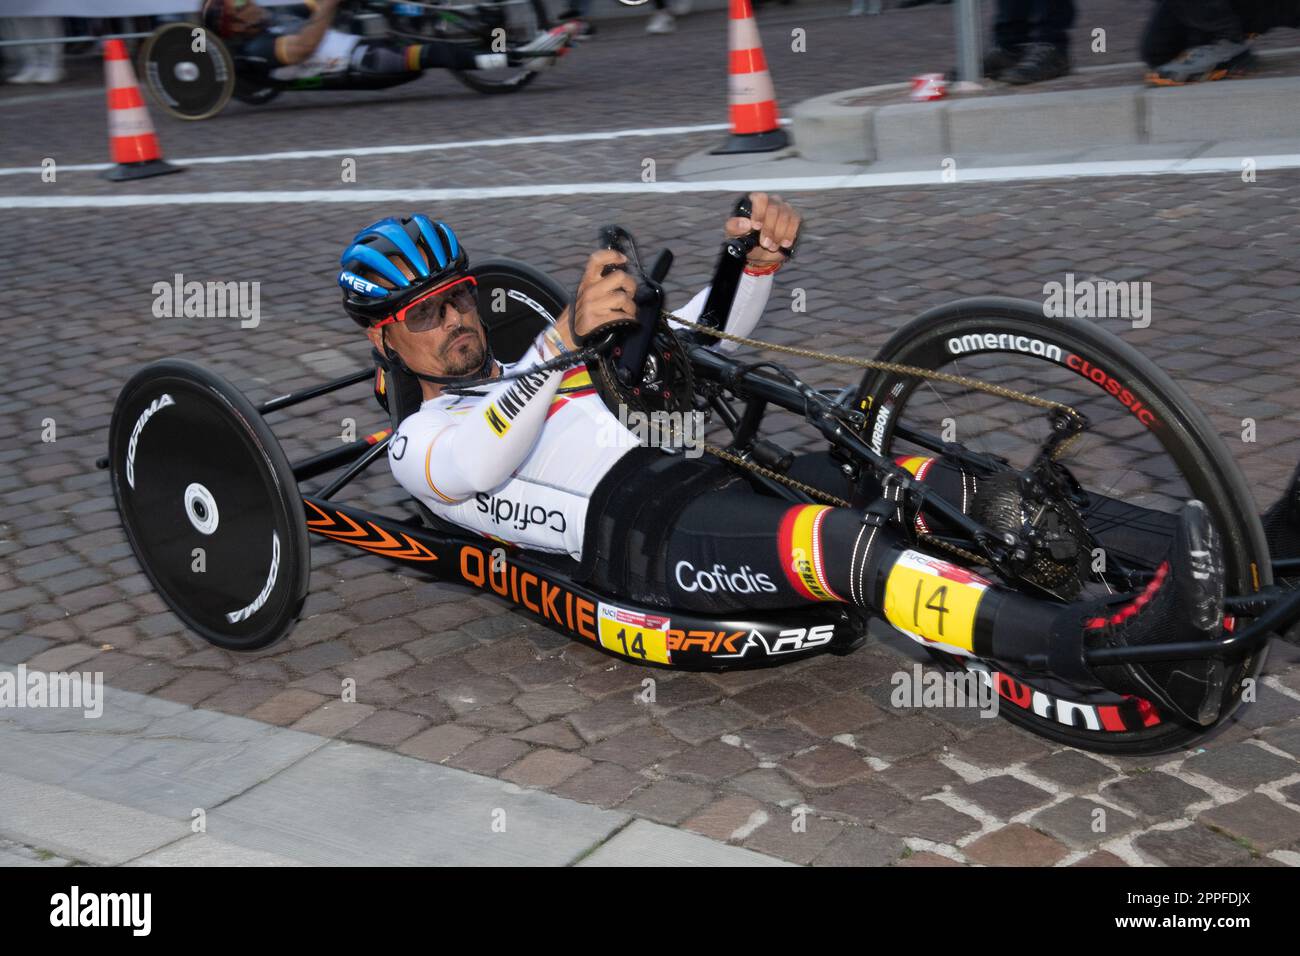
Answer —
374 288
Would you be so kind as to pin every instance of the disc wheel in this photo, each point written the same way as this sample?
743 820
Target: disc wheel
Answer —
1147 449
187 84
209 505
516 302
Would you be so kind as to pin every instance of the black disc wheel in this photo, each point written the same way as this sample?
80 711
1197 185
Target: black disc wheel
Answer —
209 504
188 84
1145 451
516 302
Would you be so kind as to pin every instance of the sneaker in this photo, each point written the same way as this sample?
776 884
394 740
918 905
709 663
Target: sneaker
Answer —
1183 602
542 51
1203 64
1038 62
1000 59
26 75
661 22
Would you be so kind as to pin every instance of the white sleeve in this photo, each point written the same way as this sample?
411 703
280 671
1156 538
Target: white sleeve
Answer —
751 298
453 458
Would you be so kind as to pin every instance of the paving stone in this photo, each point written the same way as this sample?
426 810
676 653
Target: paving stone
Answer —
439 743
904 737
932 820
489 755
774 697
771 742
434 710
926 858
799 838
548 702
1002 796
1271 707
1075 822
193 688
682 691
636 748
1241 765
1071 770
999 746
554 733
386 728
471 693
287 707
1100 858
1015 845
1286 737
16 650
729 817
1154 796
1262 822
317 657
333 718
503 718
859 669
322 627
710 762
64 657
697 724
433 677
616 679
766 786
861 846
435 647
369 638
375 666
841 714
545 768
545 673
1193 845
667 801
829 765
858 802
501 655
917 777
608 717
604 785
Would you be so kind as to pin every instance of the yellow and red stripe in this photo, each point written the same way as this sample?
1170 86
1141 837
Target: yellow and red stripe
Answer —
575 383
800 542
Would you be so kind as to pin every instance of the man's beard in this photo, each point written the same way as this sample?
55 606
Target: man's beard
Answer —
462 360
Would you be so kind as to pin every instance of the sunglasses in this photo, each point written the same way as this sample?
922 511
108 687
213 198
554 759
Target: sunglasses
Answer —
429 311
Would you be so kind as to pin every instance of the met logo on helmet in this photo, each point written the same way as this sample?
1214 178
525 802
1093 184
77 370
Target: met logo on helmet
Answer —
350 280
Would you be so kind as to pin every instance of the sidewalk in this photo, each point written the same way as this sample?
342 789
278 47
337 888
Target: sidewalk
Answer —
1095 114
124 789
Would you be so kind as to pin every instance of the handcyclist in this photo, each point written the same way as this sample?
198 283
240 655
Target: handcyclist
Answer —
299 42
524 462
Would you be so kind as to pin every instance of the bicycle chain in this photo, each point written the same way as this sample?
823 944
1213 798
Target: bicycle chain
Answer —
899 369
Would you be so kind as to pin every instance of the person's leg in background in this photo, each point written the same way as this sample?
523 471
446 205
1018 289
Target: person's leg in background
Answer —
48 57
1165 35
1216 43
662 20
1047 54
25 60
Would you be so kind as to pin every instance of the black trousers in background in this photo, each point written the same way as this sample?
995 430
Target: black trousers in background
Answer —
1016 22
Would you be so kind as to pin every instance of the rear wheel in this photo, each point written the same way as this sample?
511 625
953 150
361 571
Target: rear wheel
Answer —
187 84
209 504
1146 450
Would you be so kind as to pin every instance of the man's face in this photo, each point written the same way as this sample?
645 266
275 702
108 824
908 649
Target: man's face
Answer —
456 347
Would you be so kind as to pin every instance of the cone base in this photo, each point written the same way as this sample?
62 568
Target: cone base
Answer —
767 142
123 172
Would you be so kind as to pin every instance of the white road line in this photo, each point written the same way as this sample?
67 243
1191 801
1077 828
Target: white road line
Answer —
395 150
922 177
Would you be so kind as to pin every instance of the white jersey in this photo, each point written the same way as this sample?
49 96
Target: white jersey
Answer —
519 463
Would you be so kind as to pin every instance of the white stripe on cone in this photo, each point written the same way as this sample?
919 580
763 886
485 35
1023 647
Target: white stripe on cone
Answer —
747 88
129 122
118 74
744 34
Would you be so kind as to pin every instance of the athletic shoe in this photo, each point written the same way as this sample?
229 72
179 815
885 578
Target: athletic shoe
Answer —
1183 602
661 22
543 49
1203 64
1038 62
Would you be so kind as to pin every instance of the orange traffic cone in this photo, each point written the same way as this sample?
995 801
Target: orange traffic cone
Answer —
754 126
132 143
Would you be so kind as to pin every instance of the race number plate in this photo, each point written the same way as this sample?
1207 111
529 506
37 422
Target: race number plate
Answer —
635 635
934 601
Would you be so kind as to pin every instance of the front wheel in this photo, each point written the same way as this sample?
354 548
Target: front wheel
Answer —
512 22
1146 450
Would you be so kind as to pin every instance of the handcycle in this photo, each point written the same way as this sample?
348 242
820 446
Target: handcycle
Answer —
1084 449
197 84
